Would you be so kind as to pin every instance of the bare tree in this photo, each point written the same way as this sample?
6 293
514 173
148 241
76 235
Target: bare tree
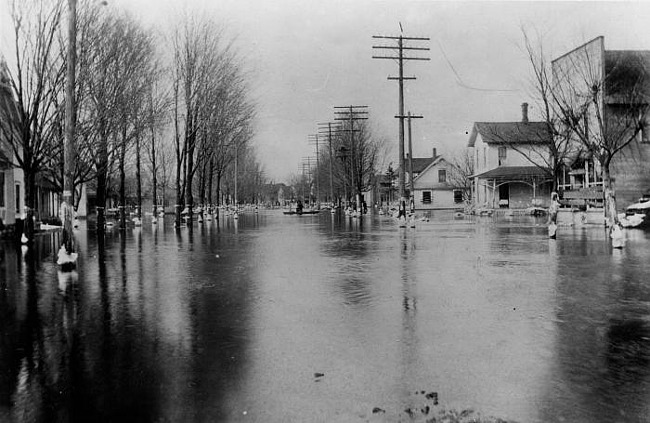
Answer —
37 75
557 141
602 100
355 160
460 175
196 53
158 103
212 113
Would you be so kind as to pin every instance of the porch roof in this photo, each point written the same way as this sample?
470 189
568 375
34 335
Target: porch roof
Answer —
511 172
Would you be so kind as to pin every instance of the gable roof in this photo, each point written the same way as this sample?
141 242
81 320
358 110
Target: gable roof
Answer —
419 163
510 132
431 165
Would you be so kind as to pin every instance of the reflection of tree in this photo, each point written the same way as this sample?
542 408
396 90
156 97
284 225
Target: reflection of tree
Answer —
628 353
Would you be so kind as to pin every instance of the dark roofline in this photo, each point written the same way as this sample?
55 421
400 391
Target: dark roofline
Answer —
578 48
475 131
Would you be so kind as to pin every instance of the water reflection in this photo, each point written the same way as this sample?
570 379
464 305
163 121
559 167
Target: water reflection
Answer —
230 321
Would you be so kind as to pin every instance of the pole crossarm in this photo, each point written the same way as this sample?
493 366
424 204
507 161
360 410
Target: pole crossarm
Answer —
401 78
403 48
400 37
409 117
401 58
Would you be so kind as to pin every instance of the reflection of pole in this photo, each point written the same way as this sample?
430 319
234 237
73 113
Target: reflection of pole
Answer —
317 175
68 152
236 156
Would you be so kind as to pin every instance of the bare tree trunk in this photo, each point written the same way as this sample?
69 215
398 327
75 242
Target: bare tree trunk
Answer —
122 180
611 216
189 173
218 193
30 191
154 178
137 176
102 183
210 178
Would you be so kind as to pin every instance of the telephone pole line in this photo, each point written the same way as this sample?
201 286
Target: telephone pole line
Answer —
331 129
314 138
352 114
408 117
399 50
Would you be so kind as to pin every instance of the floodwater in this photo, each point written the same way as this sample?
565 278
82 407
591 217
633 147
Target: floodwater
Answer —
277 318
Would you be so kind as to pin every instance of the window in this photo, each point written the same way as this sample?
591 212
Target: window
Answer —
442 176
426 197
458 196
502 155
18 199
2 189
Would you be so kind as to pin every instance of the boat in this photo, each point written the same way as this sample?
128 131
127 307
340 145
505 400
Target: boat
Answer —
637 214
292 212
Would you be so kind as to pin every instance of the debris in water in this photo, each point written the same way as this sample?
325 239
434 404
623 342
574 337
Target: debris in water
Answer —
378 410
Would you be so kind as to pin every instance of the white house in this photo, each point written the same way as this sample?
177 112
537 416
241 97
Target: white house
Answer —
509 159
433 187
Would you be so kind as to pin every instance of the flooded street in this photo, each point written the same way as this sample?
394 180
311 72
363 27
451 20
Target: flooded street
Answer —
323 318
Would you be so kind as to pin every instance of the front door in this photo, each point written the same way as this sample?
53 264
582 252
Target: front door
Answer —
504 196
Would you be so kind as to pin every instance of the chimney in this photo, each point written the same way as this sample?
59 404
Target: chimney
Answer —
434 153
524 112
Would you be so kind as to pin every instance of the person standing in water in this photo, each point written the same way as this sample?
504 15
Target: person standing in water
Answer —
553 210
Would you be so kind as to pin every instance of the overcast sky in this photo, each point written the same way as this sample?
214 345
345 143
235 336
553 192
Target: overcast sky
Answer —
308 56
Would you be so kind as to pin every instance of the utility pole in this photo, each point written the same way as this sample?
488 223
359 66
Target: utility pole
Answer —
67 256
332 128
306 161
408 117
352 114
400 48
314 138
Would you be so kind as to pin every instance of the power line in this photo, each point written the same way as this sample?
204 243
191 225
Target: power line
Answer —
459 80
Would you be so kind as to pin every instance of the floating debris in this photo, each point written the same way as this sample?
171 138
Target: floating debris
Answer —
377 410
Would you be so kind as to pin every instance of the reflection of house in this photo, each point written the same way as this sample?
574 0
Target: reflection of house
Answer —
433 187
622 76
508 163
